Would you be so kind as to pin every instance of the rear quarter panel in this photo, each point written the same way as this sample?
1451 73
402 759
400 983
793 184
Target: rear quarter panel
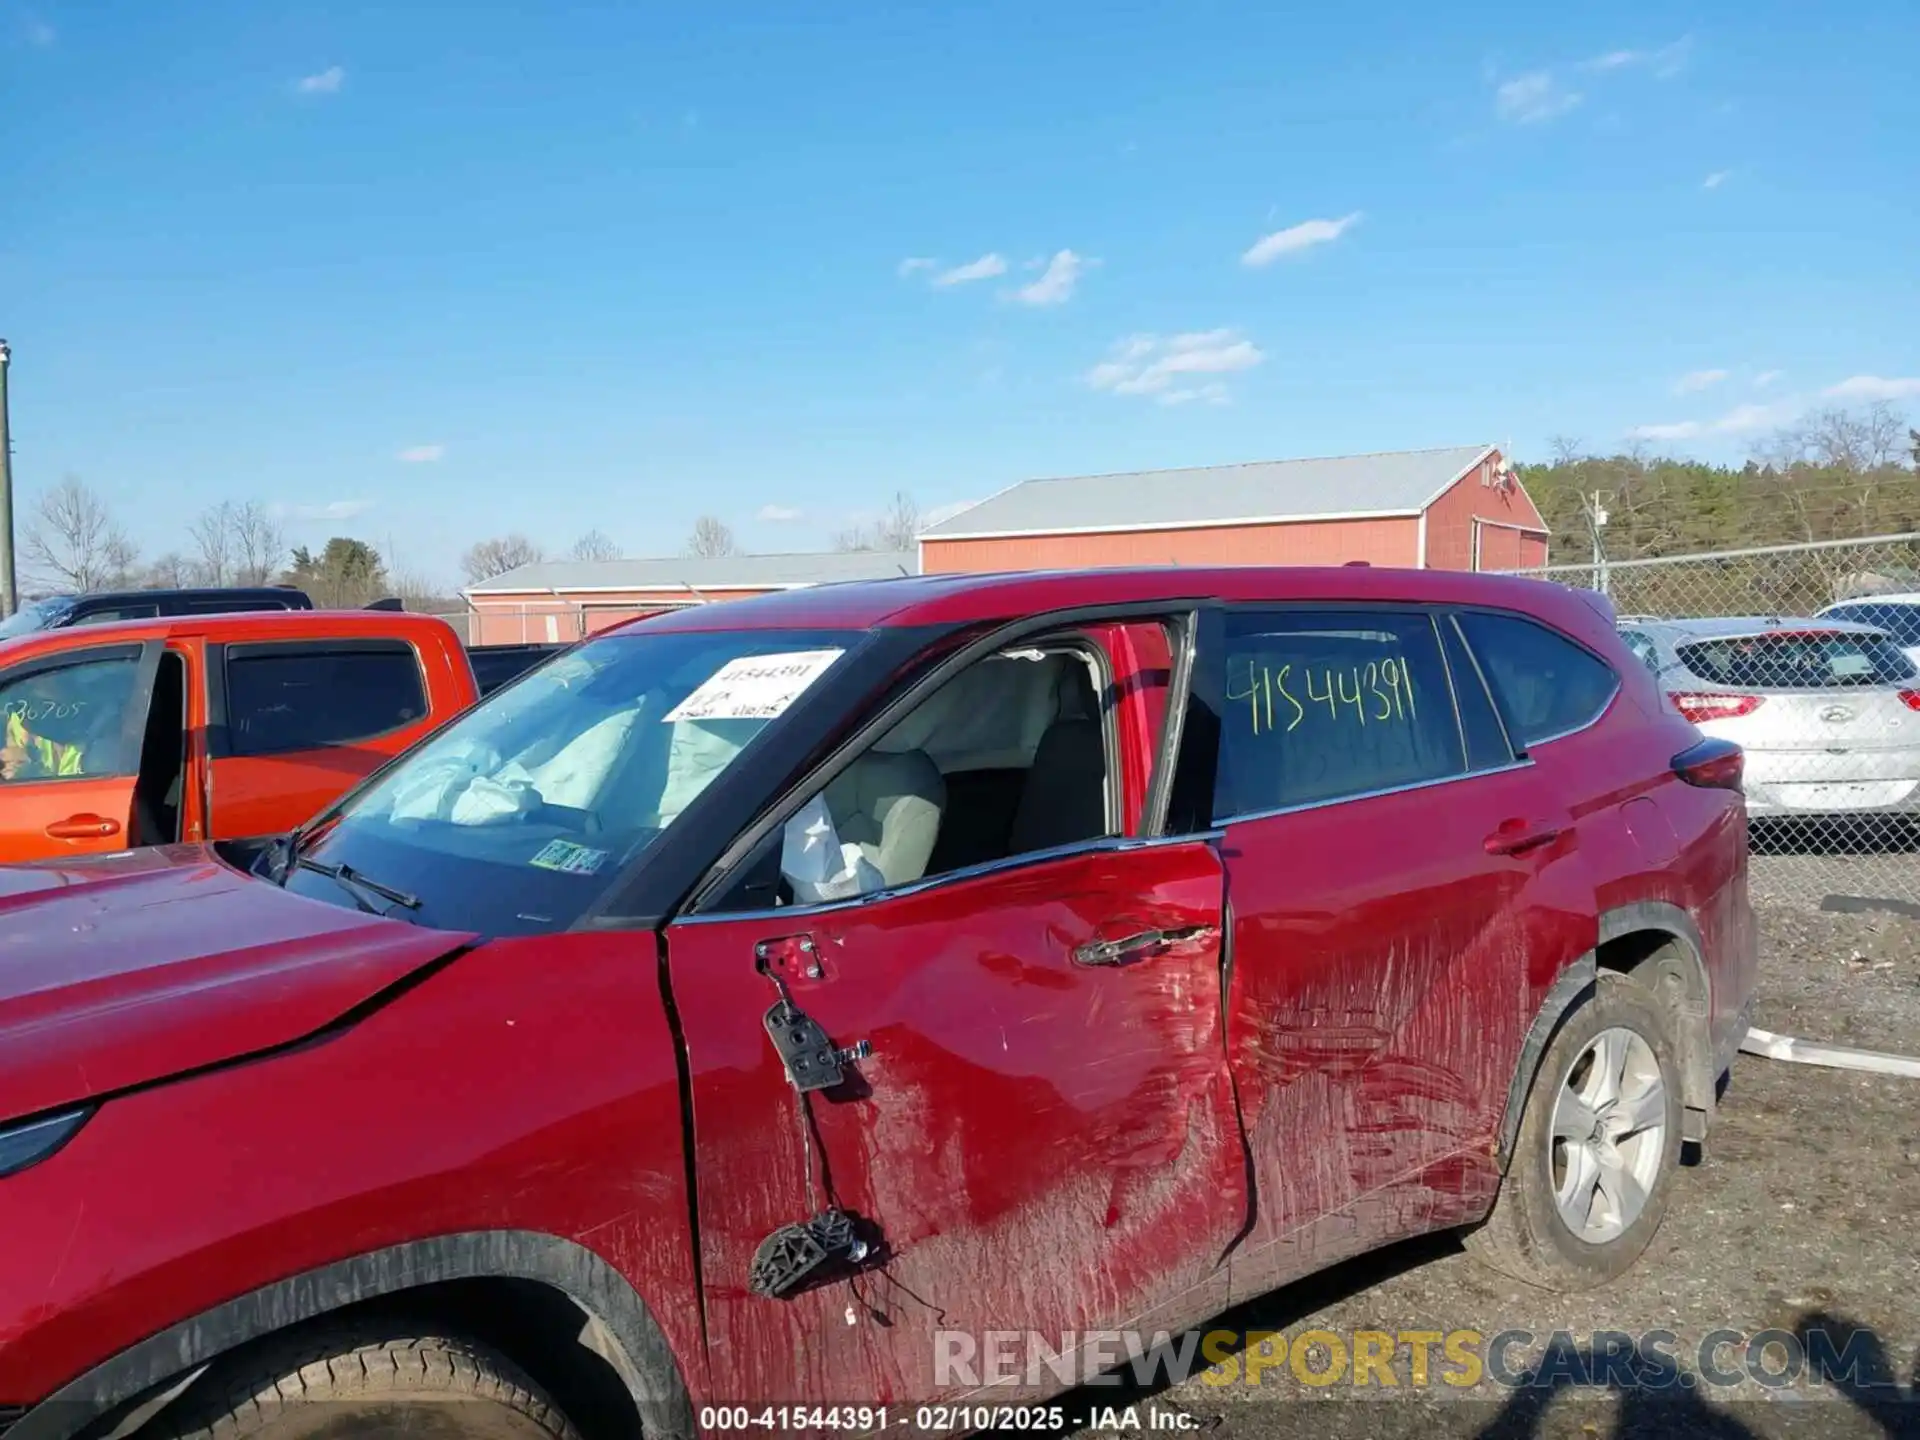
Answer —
529 1085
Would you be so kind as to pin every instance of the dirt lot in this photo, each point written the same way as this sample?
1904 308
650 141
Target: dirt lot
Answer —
1805 1210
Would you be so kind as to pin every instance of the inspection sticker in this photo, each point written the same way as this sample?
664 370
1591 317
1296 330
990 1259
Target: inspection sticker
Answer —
569 858
754 687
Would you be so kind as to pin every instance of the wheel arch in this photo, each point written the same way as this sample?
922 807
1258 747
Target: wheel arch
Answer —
618 1326
1629 936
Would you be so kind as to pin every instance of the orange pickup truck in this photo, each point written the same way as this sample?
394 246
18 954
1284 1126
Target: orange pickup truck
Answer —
210 727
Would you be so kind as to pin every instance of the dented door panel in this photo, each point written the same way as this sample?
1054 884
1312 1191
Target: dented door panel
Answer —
1037 1141
1385 970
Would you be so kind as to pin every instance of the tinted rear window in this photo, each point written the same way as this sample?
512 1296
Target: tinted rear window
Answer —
1545 684
302 699
1797 660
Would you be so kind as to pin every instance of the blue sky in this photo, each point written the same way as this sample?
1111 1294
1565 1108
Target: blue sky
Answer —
426 273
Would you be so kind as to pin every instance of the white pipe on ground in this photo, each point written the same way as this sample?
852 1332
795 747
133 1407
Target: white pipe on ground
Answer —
1835 1057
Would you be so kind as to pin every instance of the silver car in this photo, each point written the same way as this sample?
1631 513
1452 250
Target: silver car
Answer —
1828 711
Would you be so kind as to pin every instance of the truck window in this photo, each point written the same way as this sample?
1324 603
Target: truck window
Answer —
67 721
282 698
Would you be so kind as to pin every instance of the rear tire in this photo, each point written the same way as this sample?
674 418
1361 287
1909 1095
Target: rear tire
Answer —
1593 1163
342 1382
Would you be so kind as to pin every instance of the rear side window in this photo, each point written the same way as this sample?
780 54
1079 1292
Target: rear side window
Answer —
1797 660
1325 704
283 698
106 615
1545 684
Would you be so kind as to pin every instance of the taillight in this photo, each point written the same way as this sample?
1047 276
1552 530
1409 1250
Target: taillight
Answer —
1712 765
1701 705
1910 699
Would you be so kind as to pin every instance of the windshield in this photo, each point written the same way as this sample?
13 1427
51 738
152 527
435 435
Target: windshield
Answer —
40 615
517 817
1798 660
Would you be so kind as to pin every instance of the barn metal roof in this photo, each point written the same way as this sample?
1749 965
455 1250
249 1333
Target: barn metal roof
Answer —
1397 482
723 572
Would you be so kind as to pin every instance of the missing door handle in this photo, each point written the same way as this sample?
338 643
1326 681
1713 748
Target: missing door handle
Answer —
1135 947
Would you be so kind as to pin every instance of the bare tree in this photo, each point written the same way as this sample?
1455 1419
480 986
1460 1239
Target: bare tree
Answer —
259 544
897 529
711 538
172 571
497 556
594 545
1567 449
72 540
1834 439
212 533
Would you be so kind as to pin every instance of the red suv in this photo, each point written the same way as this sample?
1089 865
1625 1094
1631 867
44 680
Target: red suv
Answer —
758 1003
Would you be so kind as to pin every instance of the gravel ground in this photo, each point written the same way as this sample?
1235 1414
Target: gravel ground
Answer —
1804 1211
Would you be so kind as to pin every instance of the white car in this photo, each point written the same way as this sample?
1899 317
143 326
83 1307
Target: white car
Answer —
1897 616
1827 711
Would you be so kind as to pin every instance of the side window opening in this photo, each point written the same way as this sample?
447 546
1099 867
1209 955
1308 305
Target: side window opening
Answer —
159 789
1009 757
1325 705
1545 684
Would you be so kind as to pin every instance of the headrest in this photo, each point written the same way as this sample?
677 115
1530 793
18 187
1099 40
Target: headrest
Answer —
1074 693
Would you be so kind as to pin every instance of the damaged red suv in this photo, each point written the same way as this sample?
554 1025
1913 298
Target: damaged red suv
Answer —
748 1003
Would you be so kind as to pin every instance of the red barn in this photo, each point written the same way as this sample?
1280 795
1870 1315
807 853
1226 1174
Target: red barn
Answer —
1452 509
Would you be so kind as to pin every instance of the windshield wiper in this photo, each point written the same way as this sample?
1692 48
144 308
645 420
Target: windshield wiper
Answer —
353 882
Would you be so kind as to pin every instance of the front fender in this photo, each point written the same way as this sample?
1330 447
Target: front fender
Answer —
530 1086
640 1353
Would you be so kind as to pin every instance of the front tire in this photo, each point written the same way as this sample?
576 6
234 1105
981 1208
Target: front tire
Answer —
338 1383
1593 1163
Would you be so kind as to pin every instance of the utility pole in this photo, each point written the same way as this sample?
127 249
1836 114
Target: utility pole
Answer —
1596 514
9 585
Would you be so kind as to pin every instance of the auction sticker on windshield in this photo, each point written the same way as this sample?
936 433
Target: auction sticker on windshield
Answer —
754 687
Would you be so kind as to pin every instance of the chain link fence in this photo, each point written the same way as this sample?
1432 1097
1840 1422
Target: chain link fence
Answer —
1745 642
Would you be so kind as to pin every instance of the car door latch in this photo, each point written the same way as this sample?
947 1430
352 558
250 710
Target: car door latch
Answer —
812 1061
802 1254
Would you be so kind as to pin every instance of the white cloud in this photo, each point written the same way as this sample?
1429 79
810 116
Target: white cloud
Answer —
1665 62
985 268
1766 378
1874 387
1296 238
326 82
1715 180
1212 393
1741 420
1055 287
1529 99
40 34
777 514
422 454
1150 364
914 264
330 510
1696 380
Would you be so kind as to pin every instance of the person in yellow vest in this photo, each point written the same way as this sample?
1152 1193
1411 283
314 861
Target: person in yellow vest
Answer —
27 756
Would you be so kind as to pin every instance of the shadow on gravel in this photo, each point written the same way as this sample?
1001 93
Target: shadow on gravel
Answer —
1657 1400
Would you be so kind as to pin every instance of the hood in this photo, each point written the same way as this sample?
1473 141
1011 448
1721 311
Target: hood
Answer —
130 968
